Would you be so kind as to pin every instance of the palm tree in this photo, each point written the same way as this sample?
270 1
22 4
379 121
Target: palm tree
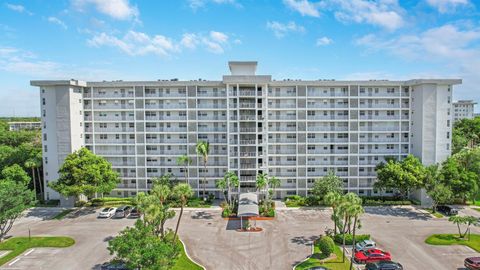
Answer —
222 185
231 180
333 199
355 211
346 209
203 149
262 184
182 192
184 161
274 183
31 164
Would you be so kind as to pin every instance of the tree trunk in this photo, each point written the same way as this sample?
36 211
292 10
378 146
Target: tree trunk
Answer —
186 174
178 224
459 232
40 182
334 222
204 178
34 182
343 241
353 244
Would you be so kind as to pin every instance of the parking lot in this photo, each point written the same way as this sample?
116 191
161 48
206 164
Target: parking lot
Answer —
214 242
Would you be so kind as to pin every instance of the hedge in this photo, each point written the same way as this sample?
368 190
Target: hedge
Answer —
349 238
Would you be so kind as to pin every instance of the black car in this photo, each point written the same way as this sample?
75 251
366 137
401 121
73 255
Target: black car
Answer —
135 213
447 210
114 266
383 265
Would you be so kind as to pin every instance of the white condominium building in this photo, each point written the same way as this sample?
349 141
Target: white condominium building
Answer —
463 109
17 126
292 129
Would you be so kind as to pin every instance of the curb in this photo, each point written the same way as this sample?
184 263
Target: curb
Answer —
188 256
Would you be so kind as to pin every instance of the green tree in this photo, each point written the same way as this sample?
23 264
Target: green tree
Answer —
274 183
16 174
355 210
184 161
402 175
182 192
333 199
222 185
326 245
85 173
31 164
462 182
440 194
463 220
229 181
140 248
329 183
348 210
466 133
262 183
15 198
203 149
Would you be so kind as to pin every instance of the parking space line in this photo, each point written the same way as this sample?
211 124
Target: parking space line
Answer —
28 253
12 263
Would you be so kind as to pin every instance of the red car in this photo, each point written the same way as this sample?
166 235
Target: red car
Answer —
472 263
372 255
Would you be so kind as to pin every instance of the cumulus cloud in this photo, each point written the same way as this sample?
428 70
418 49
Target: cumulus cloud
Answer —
282 29
384 13
18 8
445 6
324 41
137 43
117 9
57 21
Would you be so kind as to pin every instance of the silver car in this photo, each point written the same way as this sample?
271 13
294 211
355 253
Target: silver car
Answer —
107 212
365 245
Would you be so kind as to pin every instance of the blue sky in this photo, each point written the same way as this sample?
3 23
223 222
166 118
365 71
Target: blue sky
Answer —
191 39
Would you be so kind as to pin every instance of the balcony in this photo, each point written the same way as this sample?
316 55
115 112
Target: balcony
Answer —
281 105
113 107
161 94
282 152
282 140
247 93
380 105
383 93
211 106
327 117
326 128
247 142
112 95
326 152
111 129
379 140
211 94
127 186
166 118
165 106
327 106
212 118
247 105
158 129
282 117
210 129
280 129
282 93
328 140
321 93
379 151
159 141
247 117
100 141
364 128
122 164
114 153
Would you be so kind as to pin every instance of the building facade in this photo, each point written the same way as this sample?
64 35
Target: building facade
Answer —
17 126
292 129
463 109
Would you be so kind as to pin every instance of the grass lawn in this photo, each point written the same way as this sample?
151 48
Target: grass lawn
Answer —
184 263
334 264
452 239
436 214
18 245
61 215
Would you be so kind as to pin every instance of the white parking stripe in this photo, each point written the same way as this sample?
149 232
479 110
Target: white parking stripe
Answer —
12 263
28 253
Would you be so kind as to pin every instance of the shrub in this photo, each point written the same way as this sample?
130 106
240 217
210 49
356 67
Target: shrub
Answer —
326 245
80 203
226 212
312 201
295 201
349 238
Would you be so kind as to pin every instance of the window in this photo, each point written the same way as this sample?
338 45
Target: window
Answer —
448 123
448 135
448 146
43 101
45 149
44 136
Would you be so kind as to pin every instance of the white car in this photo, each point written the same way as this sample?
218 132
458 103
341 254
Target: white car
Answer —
107 212
365 245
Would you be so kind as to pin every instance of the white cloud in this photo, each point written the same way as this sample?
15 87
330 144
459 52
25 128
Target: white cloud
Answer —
282 29
454 48
445 6
18 8
138 43
304 7
57 21
117 9
196 4
323 41
384 13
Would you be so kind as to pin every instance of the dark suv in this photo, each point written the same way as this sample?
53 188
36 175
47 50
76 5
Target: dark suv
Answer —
447 210
384 265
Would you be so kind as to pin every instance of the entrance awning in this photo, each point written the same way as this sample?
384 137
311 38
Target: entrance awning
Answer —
247 205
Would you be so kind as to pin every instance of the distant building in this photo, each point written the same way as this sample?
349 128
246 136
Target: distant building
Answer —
16 126
294 130
463 109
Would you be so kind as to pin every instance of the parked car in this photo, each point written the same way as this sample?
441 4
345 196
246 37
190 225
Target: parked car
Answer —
383 265
372 255
447 210
365 245
135 213
122 211
472 263
107 212
114 266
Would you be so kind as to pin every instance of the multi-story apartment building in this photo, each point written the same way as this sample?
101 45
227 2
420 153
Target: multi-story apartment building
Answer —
463 109
292 129
17 126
